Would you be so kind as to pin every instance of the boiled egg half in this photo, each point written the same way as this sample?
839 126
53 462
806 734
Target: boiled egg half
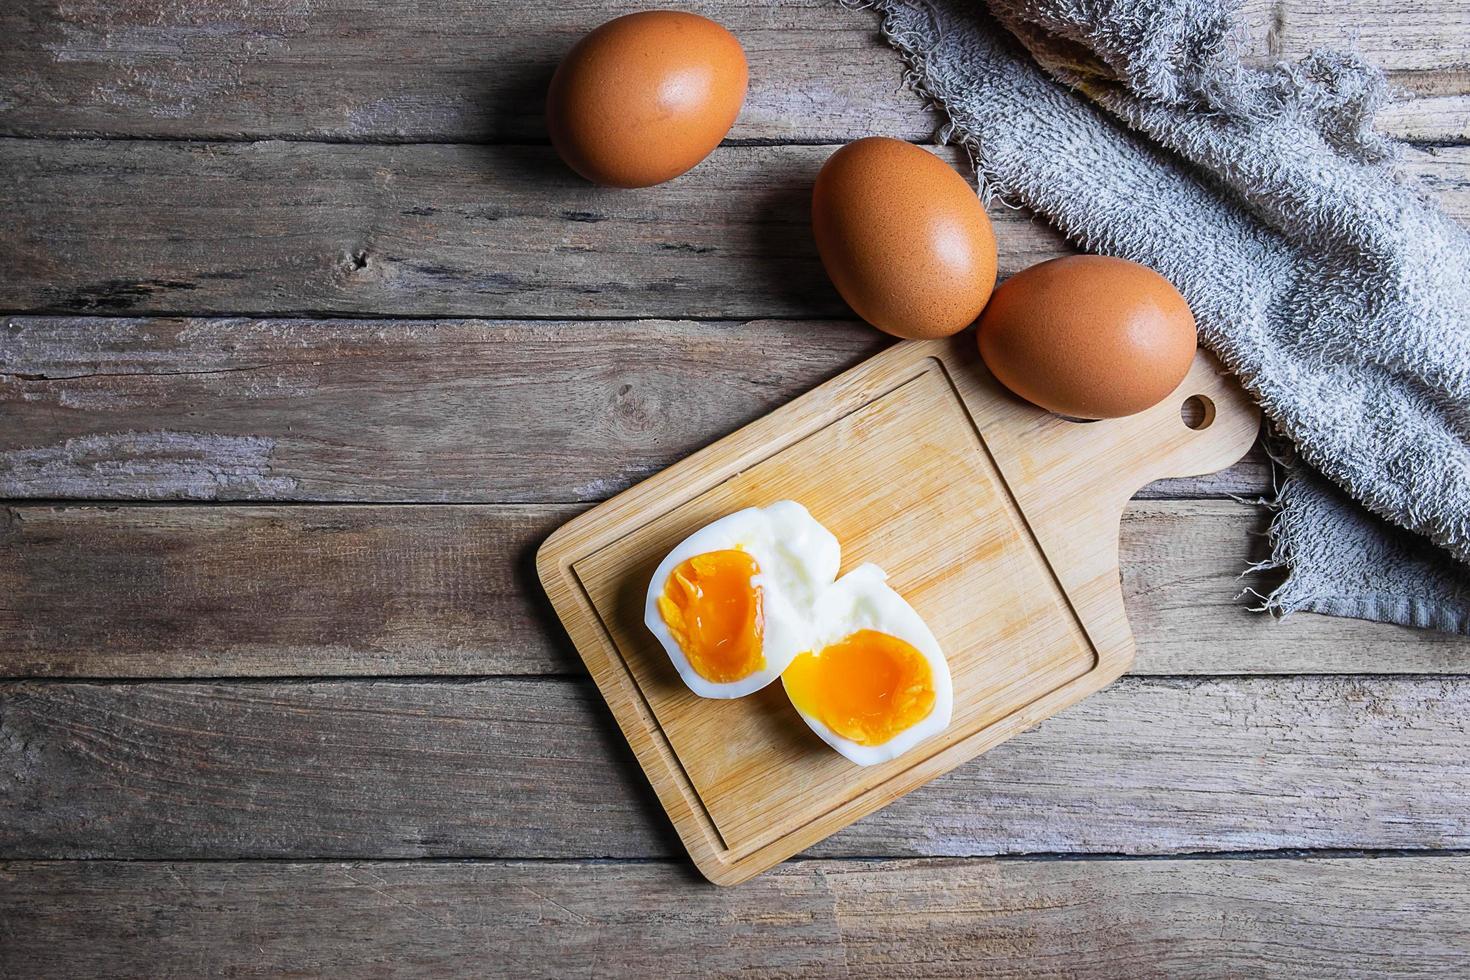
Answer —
873 682
732 604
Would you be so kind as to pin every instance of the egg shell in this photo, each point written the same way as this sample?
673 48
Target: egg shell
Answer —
904 238
1089 336
645 97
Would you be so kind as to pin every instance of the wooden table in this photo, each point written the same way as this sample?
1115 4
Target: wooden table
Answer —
309 341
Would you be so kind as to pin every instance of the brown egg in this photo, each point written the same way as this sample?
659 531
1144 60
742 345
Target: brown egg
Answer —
645 97
1088 336
904 238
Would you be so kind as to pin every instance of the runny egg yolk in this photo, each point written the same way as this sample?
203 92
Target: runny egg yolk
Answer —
713 610
866 688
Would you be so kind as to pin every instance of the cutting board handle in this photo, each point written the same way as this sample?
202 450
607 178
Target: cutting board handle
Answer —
1072 479
1207 424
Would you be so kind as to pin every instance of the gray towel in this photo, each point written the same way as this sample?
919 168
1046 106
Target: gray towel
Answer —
1337 293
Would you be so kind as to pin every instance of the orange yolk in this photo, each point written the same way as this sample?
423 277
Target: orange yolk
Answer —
714 613
867 687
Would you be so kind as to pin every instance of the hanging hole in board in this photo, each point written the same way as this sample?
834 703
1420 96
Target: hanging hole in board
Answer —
1197 412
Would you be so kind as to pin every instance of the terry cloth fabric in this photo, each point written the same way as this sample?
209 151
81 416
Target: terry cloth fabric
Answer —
1335 291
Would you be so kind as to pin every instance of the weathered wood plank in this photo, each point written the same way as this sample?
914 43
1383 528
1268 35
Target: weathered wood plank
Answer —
1182 565
1417 35
530 768
438 71
375 410
231 591
419 411
1440 118
445 230
382 590
505 231
1290 917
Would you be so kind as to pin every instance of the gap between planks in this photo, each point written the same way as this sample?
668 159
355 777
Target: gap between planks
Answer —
1427 142
794 863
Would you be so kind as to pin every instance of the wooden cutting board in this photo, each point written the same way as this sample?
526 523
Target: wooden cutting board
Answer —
996 520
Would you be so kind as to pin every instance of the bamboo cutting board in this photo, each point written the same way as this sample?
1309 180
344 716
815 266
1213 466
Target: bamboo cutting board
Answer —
995 519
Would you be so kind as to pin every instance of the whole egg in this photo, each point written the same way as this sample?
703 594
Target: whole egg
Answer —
645 97
903 237
1088 336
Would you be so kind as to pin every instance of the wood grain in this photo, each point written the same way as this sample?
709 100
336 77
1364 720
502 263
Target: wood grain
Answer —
920 460
532 768
1182 578
502 231
438 71
440 231
180 591
1301 917
1418 35
422 411
435 72
396 410
1441 115
383 590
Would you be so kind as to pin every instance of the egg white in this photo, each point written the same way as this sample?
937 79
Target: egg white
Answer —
798 559
861 600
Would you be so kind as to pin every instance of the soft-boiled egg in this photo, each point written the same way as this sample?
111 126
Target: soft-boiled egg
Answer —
732 604
874 682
